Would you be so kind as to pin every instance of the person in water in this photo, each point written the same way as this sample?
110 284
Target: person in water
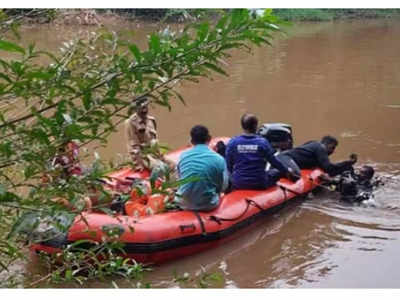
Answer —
247 155
354 187
315 154
208 170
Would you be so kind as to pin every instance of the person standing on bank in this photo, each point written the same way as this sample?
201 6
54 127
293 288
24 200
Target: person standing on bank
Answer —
208 170
141 132
247 155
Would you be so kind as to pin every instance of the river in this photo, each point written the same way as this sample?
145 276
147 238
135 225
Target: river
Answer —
337 78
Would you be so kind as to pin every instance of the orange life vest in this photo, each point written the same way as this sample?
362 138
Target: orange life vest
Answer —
145 205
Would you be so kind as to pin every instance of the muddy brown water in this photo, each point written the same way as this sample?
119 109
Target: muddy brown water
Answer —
339 78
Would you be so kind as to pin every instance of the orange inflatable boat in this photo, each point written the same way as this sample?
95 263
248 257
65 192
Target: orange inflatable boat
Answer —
165 236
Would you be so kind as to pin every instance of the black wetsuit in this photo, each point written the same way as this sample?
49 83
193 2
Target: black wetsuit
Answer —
313 154
354 189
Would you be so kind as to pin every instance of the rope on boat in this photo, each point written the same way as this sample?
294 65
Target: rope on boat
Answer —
285 189
248 202
203 229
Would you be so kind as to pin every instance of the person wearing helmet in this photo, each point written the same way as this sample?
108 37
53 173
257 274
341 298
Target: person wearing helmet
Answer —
354 187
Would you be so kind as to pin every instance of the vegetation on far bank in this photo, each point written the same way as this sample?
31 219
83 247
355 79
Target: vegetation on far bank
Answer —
95 16
290 14
330 14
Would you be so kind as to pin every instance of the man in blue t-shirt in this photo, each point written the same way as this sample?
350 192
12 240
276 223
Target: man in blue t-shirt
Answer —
209 169
247 155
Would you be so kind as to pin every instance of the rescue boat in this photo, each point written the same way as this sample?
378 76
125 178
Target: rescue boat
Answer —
174 234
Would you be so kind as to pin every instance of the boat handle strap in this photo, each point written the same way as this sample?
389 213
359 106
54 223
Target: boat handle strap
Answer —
184 227
203 229
285 189
248 202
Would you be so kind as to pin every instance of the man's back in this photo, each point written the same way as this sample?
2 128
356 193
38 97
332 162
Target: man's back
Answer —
314 154
210 169
246 157
308 155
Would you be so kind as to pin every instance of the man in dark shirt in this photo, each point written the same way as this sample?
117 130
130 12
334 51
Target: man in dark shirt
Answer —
246 157
316 154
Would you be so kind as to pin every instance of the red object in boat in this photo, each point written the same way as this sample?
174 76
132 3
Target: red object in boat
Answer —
162 237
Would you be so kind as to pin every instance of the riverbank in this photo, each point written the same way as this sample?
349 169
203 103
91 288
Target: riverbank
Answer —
297 14
334 14
107 16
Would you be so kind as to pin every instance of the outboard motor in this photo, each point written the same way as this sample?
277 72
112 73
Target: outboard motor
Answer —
278 134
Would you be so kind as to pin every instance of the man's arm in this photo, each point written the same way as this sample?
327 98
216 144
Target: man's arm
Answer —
133 143
155 127
225 177
330 168
178 171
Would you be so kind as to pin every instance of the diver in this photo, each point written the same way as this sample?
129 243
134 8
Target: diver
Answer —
353 186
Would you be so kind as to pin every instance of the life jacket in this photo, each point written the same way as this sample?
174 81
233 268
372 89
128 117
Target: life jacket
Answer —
145 204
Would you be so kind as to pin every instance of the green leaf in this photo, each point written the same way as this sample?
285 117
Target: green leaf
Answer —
29 171
87 99
180 97
2 190
14 28
135 51
75 245
155 44
4 76
202 31
17 67
74 131
40 135
49 123
222 22
231 46
52 56
4 64
11 47
215 68
3 266
25 224
178 183
39 75
6 149
68 274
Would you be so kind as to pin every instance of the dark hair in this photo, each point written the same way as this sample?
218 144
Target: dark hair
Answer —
369 171
138 103
199 134
327 140
249 122
142 100
220 148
